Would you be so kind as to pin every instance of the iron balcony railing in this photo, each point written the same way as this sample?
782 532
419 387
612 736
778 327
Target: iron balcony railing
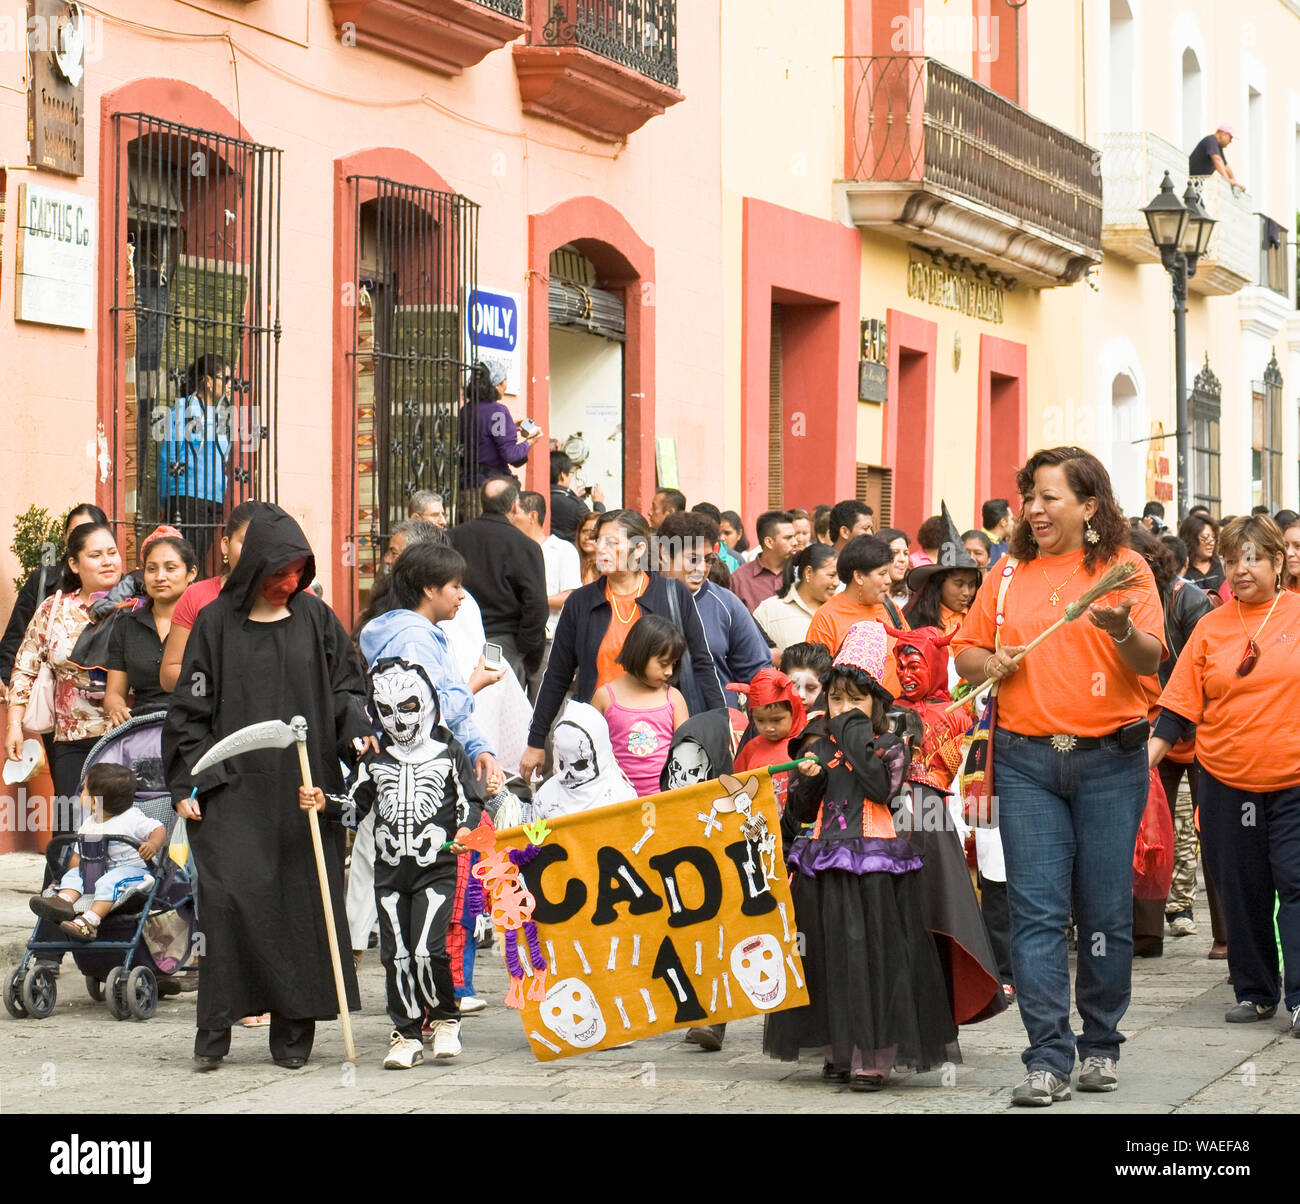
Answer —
511 8
913 118
638 34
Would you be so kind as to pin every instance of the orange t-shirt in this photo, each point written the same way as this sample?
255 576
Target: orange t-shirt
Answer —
1242 734
833 620
1075 681
607 666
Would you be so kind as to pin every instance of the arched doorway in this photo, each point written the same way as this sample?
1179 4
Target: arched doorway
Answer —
574 368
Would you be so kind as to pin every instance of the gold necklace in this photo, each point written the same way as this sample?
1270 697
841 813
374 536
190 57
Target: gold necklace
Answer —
618 614
1055 596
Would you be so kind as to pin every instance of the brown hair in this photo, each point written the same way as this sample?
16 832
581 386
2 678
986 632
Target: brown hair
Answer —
1257 533
1087 478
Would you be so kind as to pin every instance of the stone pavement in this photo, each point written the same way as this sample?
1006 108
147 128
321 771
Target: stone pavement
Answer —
1180 1057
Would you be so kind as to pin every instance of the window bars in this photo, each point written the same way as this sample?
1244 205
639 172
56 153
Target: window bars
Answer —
195 317
417 262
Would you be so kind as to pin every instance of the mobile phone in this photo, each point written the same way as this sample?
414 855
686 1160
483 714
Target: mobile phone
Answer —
529 427
492 657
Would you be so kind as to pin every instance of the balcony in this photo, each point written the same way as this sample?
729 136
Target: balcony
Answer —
602 67
445 36
1132 167
929 151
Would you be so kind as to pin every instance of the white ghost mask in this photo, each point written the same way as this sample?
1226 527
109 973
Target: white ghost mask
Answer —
688 764
571 1012
407 708
759 970
586 774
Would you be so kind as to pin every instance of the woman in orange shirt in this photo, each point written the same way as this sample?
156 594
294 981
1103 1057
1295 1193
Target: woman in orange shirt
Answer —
1291 570
863 567
1069 760
1235 680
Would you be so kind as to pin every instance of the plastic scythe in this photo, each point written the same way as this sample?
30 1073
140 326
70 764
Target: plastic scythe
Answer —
277 734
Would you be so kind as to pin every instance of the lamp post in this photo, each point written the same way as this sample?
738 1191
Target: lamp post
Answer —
1181 232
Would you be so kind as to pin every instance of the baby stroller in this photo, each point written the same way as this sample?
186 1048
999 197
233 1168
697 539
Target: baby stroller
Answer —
119 966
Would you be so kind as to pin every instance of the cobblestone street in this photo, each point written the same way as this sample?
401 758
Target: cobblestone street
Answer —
1180 1057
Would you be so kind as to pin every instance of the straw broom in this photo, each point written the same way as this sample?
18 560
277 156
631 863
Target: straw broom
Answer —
1116 579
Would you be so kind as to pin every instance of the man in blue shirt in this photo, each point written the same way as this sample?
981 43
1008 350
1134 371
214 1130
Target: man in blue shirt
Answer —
1208 157
193 451
684 544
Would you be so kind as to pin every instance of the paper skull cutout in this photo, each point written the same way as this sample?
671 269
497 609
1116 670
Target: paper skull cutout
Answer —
760 971
406 707
575 758
688 764
571 1012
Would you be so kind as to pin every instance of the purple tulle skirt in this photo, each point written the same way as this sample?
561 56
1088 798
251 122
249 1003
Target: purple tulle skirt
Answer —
857 855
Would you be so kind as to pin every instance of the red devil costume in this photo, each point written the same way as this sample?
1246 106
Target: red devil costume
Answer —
948 904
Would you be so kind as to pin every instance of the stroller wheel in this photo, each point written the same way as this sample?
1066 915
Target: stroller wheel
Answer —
14 994
141 992
40 990
94 988
115 994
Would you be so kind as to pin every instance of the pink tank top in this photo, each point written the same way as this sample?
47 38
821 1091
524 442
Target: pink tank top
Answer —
641 740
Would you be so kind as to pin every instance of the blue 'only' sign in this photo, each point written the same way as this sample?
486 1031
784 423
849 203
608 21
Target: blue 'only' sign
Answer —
495 318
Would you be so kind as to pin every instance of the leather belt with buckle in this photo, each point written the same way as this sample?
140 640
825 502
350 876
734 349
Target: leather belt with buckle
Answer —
1065 742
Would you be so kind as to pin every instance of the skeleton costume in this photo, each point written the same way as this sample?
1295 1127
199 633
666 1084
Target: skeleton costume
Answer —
704 747
875 987
586 773
948 904
422 789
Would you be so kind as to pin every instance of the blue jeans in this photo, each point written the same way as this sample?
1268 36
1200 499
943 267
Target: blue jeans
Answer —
1069 822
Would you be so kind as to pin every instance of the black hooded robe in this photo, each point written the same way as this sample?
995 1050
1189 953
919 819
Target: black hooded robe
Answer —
265 947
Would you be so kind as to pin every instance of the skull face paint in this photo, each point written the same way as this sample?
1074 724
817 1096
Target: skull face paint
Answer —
405 707
759 970
913 672
571 1012
687 765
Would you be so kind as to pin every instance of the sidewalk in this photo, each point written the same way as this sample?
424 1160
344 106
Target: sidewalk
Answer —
1180 1056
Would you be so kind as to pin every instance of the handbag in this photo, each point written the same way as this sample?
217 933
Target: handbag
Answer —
977 769
38 718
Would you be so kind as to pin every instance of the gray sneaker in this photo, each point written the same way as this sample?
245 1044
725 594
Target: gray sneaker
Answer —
1246 1012
1098 1074
1041 1089
1295 1021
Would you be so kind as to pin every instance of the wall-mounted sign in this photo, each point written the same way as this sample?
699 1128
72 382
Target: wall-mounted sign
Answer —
56 119
873 381
493 321
1159 487
938 285
55 274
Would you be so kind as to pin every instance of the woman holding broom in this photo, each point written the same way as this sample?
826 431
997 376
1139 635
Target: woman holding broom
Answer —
1069 756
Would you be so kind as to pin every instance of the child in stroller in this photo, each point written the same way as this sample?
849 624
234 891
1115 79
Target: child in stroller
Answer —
106 865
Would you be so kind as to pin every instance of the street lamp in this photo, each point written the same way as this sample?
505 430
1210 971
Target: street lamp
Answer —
1181 232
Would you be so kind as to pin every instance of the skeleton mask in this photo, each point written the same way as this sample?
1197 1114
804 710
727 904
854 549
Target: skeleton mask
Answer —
575 758
571 1012
687 765
756 963
405 704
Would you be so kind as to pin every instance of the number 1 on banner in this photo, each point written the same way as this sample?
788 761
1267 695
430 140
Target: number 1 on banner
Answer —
668 966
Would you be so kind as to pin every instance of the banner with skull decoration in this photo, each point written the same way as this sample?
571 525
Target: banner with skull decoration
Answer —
656 914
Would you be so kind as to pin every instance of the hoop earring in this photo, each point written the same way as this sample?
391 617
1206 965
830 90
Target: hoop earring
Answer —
1089 534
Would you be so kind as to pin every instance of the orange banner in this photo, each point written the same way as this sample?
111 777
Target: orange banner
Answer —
656 914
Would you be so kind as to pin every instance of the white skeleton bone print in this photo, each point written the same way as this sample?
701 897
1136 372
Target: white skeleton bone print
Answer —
407 798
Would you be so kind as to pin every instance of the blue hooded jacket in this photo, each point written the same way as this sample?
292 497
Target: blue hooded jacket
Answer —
411 636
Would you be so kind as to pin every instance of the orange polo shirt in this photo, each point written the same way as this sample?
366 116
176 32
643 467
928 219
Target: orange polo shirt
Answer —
1245 736
833 620
1075 681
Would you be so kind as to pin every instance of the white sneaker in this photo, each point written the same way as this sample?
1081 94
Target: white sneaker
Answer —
403 1052
471 1004
446 1040
1182 925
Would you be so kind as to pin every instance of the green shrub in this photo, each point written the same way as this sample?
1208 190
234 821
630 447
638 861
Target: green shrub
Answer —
37 535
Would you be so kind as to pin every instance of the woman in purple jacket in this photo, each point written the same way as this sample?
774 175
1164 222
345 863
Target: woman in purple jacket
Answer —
493 444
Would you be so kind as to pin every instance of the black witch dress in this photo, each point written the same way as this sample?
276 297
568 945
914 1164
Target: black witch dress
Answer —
265 944
875 985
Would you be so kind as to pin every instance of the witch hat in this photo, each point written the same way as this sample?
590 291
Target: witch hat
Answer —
953 554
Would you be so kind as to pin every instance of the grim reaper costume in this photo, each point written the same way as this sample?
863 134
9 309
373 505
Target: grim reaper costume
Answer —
422 789
265 945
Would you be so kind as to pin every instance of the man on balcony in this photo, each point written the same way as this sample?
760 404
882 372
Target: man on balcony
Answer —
1208 157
